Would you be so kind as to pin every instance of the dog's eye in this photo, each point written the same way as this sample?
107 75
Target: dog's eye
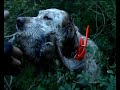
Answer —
47 18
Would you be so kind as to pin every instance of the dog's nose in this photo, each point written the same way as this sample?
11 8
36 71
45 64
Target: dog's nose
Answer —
20 21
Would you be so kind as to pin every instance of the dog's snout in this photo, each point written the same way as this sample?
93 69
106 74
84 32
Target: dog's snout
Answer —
20 21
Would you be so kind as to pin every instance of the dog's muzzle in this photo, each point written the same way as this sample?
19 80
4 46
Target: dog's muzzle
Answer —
20 22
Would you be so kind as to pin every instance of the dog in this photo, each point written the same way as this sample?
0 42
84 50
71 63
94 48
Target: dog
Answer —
53 34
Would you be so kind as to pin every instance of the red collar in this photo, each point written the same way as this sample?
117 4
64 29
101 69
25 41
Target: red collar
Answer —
82 46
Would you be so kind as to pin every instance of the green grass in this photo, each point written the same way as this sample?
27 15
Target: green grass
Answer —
99 14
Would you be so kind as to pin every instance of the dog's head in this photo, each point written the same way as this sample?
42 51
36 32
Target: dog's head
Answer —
47 21
37 31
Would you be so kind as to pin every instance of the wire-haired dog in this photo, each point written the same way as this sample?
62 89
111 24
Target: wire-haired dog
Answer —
53 34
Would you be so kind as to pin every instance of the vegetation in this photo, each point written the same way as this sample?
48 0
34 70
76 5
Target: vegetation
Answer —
99 14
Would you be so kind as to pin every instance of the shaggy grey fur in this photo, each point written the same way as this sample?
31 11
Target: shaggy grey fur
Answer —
53 34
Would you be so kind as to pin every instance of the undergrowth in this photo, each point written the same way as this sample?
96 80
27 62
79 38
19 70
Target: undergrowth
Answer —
99 14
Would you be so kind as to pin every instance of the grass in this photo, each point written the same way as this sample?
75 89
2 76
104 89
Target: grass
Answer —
99 14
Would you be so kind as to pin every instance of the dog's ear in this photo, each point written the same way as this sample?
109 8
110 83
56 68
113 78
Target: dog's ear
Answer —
67 19
69 27
71 40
